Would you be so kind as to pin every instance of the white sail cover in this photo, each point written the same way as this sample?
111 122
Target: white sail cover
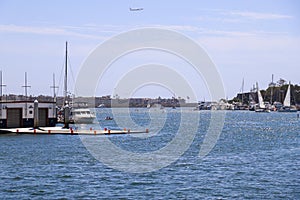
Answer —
287 99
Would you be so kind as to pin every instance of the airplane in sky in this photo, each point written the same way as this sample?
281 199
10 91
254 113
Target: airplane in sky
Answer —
136 9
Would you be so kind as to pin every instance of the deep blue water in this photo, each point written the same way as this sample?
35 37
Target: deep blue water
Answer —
256 157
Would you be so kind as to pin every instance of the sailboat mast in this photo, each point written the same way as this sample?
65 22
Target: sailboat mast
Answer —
54 88
26 99
54 95
26 86
1 91
66 73
243 92
1 85
272 89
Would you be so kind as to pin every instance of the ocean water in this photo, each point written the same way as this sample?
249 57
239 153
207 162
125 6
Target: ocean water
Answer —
256 156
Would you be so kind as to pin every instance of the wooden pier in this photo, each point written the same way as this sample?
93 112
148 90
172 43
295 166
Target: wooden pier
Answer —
68 131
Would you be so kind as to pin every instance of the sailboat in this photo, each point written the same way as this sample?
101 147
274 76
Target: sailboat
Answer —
80 114
261 107
287 102
148 105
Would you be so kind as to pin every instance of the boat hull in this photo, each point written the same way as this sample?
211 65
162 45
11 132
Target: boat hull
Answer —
262 110
287 110
83 120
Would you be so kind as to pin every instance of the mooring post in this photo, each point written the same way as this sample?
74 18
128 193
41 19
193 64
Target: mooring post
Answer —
67 115
35 114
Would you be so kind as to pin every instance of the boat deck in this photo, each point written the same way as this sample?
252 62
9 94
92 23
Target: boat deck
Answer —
69 131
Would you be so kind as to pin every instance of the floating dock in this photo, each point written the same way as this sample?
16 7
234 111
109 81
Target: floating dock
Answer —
67 131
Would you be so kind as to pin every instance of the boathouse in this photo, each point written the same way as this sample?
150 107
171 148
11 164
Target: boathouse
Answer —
19 114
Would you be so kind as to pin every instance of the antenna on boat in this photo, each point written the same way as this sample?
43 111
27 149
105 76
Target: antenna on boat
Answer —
66 74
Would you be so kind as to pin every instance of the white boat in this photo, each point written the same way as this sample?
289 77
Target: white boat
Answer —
82 116
261 107
157 106
287 102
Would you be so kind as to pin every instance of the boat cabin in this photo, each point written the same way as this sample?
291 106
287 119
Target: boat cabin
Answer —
20 114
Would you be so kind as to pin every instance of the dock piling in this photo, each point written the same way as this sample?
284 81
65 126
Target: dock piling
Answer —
67 116
35 114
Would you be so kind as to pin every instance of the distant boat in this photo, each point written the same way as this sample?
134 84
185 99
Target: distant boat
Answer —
157 106
261 107
108 118
101 106
287 102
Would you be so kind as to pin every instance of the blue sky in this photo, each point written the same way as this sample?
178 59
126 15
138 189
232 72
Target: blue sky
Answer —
245 39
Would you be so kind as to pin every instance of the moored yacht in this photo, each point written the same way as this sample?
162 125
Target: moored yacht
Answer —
78 114
82 116
287 102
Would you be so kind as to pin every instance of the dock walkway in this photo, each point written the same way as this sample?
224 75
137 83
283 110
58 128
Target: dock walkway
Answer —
68 131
